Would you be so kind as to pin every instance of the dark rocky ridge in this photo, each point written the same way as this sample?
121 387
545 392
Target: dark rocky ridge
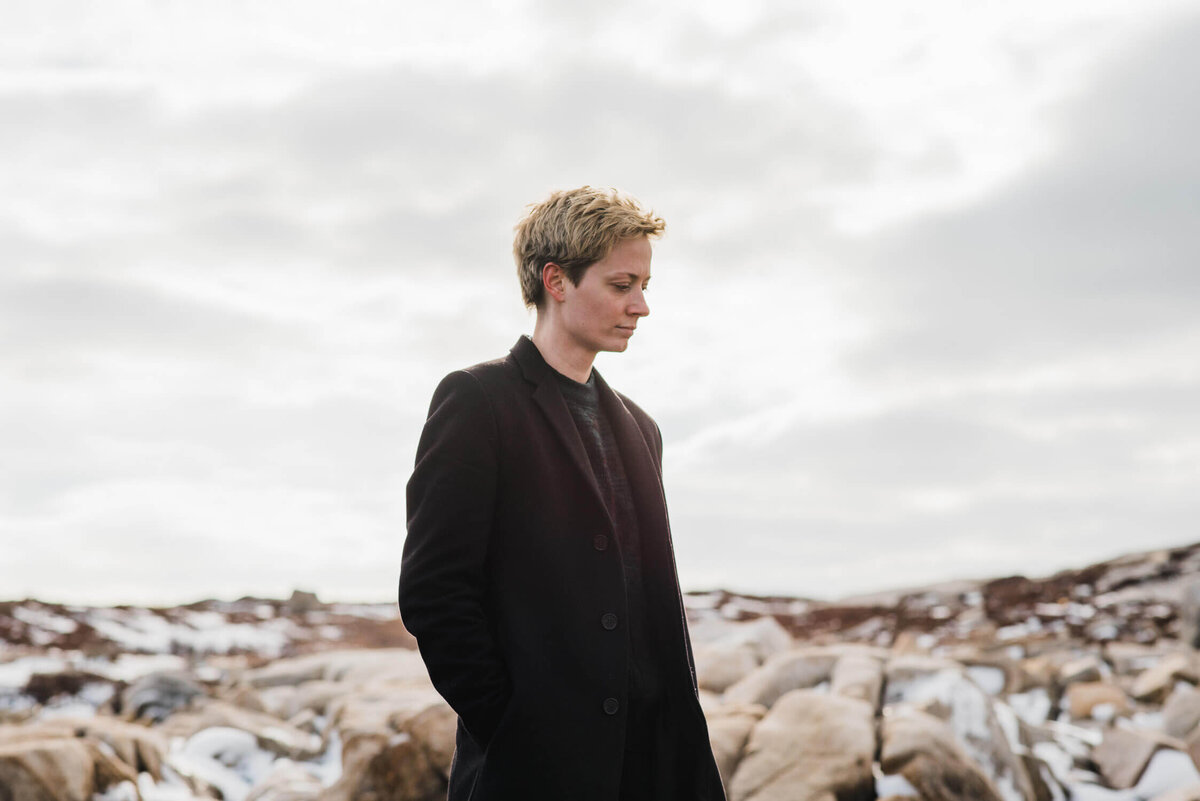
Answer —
1135 598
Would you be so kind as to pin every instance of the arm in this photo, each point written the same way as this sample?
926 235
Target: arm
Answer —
451 496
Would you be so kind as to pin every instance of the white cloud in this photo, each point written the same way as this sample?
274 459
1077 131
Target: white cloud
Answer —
244 242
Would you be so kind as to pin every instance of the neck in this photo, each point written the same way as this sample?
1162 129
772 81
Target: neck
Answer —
561 353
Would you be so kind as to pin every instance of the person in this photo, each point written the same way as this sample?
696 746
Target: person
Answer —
538 575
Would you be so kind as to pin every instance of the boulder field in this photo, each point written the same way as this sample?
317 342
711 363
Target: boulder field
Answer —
1079 686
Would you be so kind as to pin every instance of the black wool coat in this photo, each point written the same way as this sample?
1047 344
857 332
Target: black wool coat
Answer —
511 576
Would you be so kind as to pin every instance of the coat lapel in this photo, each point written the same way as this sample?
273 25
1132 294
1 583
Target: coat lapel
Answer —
644 482
548 396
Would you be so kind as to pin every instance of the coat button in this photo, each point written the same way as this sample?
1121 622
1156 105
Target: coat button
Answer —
608 620
611 705
600 542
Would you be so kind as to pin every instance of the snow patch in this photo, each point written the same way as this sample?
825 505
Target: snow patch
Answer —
16 674
1168 769
1032 706
990 679
125 791
228 759
44 619
893 784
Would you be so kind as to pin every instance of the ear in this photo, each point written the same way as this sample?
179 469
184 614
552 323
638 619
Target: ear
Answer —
554 280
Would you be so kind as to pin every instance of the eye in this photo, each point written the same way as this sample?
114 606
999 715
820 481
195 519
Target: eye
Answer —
622 287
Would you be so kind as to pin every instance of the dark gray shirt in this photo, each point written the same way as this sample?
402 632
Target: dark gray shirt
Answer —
594 428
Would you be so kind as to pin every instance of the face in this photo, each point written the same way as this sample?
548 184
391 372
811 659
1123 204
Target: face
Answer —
602 312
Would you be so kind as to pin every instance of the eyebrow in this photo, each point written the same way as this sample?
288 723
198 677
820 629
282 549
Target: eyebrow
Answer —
631 276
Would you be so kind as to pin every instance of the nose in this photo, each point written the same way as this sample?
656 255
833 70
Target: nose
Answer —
637 304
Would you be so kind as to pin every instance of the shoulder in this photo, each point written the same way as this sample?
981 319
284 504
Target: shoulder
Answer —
480 384
493 378
491 370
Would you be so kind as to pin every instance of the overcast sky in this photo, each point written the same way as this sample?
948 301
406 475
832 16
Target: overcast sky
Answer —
928 306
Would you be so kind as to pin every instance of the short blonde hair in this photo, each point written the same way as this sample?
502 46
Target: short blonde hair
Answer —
576 228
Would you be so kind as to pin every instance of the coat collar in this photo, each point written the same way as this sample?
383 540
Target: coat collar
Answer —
533 365
536 371
548 396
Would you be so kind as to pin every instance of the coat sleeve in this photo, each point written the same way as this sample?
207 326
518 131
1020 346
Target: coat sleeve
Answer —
451 497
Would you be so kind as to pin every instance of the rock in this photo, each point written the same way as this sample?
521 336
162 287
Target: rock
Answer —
1181 713
894 786
279 701
357 753
1154 683
924 750
314 696
107 769
390 665
994 673
1189 614
809 746
1123 755
302 602
247 698
708 700
350 667
728 729
143 749
386 768
47 770
971 713
908 642
1128 658
1086 668
287 781
979 629
140 748
1084 697
289 672
434 729
1192 743
271 733
159 695
788 670
378 709
305 720
1036 672
720 664
1046 787
906 671
1131 569
764 636
858 676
